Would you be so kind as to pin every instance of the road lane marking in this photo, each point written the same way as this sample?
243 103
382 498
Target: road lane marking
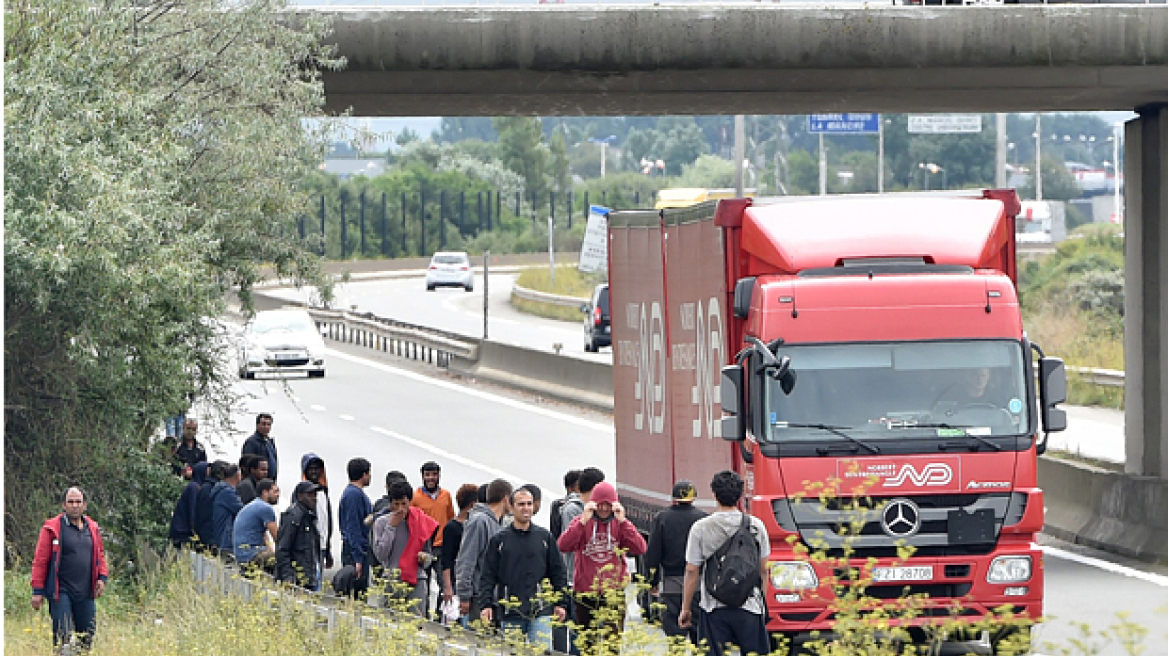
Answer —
446 455
346 417
487 396
1147 577
318 408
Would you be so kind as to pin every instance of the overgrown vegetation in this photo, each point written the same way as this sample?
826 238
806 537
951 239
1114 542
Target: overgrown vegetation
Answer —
155 158
1072 304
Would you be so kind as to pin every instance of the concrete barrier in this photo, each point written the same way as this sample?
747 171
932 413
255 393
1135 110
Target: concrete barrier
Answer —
1107 510
540 372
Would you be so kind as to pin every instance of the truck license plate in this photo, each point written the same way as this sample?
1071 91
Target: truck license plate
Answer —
886 574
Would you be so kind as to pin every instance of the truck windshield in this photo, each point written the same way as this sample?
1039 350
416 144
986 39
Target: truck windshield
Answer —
898 390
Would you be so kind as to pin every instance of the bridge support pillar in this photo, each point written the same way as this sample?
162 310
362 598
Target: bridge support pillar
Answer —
1146 292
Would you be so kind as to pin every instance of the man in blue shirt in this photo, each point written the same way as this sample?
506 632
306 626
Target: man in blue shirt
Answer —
351 514
225 505
253 523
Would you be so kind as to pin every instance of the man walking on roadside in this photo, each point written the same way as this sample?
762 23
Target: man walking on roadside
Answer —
601 537
312 470
402 542
253 469
436 502
351 514
261 443
69 569
298 542
255 528
225 506
518 560
486 519
719 624
665 558
189 451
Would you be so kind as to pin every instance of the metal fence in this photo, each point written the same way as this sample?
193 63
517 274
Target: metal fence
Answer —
379 224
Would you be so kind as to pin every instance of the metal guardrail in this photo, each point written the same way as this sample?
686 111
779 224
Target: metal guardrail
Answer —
395 337
544 297
212 574
439 346
1104 377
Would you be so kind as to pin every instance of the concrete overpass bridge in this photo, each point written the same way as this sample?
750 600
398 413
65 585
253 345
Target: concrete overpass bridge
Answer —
777 58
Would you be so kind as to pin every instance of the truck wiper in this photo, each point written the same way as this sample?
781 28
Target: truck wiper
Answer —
979 438
835 430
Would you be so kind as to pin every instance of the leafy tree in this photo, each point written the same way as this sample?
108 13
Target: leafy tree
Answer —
708 172
804 173
559 161
1057 182
459 128
522 149
155 159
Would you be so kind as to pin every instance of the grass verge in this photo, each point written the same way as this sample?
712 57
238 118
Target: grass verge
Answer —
569 281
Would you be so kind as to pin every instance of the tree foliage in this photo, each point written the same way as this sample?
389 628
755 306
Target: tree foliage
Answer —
155 159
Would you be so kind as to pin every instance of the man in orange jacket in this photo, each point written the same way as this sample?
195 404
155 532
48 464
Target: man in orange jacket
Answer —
437 503
69 569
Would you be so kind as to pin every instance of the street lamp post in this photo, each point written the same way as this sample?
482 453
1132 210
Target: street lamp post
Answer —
603 149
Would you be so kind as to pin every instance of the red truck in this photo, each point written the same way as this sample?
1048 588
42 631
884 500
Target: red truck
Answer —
873 344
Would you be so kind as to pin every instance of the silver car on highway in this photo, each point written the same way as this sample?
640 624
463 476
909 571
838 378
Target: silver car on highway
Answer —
450 269
281 341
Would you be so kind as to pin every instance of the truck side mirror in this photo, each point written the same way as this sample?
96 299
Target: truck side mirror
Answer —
1052 380
743 290
733 428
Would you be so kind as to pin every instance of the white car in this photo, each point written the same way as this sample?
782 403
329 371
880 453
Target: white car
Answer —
449 269
279 341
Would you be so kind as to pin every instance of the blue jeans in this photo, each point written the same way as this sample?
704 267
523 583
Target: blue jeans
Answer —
538 631
73 616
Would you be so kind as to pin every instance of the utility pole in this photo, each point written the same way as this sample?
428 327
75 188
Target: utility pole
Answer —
1000 180
1037 156
739 153
822 167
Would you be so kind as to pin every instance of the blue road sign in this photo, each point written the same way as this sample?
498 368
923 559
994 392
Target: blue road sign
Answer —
843 123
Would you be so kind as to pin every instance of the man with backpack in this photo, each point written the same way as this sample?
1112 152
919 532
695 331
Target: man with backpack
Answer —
572 487
727 551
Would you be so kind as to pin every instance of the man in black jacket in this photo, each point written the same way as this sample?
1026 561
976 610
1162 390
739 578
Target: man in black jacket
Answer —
205 509
262 444
298 541
665 557
517 561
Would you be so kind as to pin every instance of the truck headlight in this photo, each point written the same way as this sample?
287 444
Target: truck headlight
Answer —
1009 569
793 576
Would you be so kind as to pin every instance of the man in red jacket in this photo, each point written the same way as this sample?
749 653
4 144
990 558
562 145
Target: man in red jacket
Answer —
69 569
601 537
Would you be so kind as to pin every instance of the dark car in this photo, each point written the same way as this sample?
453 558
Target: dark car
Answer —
597 329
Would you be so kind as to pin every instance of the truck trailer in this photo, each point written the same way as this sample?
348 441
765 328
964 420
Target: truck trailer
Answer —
861 362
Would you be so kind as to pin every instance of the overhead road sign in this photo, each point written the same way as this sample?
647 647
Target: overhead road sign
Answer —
843 123
944 123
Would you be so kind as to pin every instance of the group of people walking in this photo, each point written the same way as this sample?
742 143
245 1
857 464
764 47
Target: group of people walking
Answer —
488 562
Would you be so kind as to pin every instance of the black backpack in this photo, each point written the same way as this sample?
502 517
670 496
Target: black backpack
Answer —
732 573
556 523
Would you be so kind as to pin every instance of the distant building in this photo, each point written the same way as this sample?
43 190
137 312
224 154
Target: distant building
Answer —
346 168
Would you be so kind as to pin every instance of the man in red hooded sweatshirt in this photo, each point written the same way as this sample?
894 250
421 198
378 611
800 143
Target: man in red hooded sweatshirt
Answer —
600 538
403 543
69 570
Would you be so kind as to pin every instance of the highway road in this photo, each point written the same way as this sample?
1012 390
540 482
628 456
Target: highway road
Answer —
406 299
399 414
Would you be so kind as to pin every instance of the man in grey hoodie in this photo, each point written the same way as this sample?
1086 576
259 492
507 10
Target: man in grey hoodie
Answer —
486 519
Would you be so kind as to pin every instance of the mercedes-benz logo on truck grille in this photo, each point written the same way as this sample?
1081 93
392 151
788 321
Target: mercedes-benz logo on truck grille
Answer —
901 518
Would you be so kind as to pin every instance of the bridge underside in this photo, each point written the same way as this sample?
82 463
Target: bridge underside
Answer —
746 59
